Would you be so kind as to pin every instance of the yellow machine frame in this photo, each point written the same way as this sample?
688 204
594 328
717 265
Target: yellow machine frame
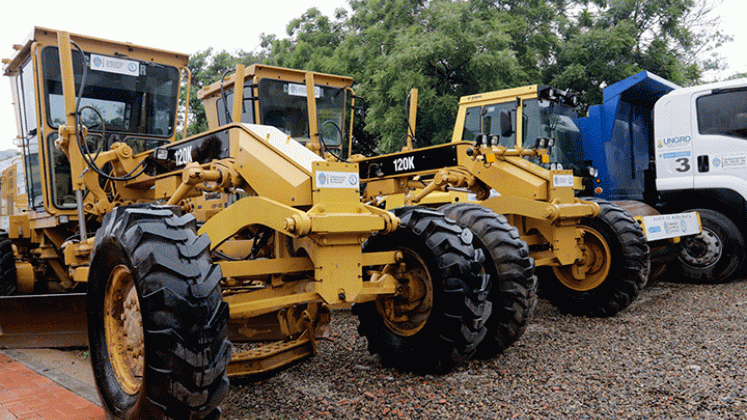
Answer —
271 188
526 194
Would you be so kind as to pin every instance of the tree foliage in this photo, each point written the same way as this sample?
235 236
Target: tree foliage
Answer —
448 49
207 67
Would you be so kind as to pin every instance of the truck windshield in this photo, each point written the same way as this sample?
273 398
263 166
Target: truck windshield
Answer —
283 105
544 118
132 97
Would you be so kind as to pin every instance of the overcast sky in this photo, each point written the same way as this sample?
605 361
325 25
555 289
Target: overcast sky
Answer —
189 27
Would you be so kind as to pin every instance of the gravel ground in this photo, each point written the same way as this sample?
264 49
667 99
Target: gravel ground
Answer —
676 353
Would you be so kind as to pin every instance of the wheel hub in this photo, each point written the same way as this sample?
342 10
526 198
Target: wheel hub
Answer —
124 330
702 250
594 266
406 312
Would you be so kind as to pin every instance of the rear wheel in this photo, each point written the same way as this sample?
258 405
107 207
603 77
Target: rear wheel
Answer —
510 270
613 270
437 318
7 266
716 253
156 319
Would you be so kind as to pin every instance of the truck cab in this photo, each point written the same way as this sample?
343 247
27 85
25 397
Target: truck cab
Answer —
701 163
700 144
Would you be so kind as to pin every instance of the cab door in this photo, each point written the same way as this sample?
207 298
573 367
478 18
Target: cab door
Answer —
720 139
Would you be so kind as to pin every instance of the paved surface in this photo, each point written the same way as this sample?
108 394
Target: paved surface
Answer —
43 385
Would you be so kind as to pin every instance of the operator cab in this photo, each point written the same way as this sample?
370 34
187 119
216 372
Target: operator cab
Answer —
130 95
548 120
553 115
278 97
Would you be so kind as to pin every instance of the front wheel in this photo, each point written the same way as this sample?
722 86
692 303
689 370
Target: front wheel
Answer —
510 270
437 318
716 253
157 323
613 270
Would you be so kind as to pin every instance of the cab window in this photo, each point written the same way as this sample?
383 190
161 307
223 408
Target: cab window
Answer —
723 113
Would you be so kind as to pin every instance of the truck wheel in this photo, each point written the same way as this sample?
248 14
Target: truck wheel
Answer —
157 323
7 266
437 319
510 270
614 269
714 255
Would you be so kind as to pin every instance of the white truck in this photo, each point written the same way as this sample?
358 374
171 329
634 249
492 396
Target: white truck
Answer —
700 156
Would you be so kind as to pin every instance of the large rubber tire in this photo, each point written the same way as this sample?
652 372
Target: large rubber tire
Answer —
157 322
716 254
510 271
8 278
618 263
441 313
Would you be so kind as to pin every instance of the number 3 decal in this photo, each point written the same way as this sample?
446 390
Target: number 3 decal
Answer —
684 165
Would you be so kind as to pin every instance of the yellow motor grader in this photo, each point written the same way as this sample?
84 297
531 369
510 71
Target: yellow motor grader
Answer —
598 253
172 246
328 133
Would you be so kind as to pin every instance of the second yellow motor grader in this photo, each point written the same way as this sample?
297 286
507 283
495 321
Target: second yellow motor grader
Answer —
598 253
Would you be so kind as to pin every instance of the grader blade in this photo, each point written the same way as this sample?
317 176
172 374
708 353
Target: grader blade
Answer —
43 321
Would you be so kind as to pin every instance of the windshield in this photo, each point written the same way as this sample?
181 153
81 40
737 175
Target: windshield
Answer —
130 96
283 105
544 118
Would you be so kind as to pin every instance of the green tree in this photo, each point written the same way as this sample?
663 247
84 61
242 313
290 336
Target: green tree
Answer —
609 40
448 49
207 67
445 49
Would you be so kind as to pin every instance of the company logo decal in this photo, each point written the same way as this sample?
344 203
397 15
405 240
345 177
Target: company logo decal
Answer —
674 141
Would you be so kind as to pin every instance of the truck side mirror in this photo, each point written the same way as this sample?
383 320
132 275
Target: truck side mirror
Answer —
507 126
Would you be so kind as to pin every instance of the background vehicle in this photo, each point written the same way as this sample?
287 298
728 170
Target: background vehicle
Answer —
165 236
606 151
598 253
677 149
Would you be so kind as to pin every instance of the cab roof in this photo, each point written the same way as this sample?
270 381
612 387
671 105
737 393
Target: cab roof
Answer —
48 37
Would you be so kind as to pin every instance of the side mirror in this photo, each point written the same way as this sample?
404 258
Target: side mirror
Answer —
507 125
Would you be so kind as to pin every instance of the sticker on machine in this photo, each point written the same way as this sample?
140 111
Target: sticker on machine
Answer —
729 162
294 89
677 161
664 226
115 65
329 179
562 181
